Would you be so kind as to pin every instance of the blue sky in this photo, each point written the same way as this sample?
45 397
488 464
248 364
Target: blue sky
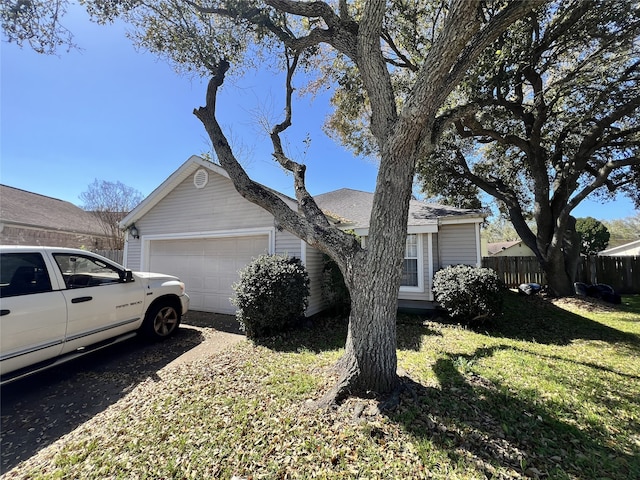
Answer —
109 112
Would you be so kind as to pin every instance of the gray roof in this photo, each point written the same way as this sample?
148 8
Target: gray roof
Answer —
19 207
353 207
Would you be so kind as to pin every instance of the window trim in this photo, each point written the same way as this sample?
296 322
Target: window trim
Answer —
420 287
420 259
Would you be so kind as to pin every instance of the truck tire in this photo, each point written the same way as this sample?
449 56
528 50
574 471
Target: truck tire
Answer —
161 321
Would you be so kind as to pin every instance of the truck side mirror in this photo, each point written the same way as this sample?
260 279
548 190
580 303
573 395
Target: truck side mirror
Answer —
127 276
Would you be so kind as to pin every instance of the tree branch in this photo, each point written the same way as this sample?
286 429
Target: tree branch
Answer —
499 190
600 178
305 201
326 238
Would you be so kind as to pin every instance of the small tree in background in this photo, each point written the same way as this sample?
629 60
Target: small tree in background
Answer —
110 202
594 235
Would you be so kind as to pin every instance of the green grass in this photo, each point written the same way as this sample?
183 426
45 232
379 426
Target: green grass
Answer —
548 390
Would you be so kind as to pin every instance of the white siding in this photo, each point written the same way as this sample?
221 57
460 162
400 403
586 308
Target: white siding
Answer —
457 245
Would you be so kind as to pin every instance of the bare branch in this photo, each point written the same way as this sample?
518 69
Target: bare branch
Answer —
322 236
306 202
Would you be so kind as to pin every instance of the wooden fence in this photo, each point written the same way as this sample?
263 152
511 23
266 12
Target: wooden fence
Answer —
115 255
622 273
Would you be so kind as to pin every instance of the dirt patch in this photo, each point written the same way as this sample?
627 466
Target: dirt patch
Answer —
585 303
40 409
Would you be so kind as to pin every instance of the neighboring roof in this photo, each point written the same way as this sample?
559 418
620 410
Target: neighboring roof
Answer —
493 248
622 249
188 168
27 209
353 208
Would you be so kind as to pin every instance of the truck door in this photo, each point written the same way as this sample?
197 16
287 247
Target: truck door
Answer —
33 314
100 303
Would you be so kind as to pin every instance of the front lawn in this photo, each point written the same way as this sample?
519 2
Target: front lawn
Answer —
549 391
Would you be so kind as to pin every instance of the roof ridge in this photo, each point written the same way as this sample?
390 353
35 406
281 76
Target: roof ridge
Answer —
34 193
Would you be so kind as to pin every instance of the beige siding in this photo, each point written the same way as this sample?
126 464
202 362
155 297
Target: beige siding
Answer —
288 244
436 252
517 250
216 207
132 254
457 245
315 264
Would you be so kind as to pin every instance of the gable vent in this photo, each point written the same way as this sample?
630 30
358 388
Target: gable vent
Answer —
201 178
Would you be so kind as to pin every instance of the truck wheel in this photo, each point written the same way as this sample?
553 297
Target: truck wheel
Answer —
161 321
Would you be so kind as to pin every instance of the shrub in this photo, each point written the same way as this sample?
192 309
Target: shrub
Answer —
271 294
468 294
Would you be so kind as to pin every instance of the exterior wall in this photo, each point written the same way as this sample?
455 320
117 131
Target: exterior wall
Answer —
132 254
630 249
436 255
216 209
458 245
288 244
14 235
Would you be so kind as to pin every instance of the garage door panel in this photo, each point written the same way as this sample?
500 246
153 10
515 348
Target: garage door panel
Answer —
208 267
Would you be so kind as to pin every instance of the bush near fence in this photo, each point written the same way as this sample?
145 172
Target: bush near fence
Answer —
622 273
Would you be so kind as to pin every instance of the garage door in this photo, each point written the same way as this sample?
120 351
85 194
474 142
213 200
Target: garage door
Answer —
208 267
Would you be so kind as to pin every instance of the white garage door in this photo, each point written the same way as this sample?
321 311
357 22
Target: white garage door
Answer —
208 267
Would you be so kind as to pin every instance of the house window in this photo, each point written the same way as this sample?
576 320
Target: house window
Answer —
410 265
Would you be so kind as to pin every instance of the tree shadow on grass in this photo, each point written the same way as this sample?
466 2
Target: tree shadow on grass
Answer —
495 428
38 410
316 334
534 319
327 333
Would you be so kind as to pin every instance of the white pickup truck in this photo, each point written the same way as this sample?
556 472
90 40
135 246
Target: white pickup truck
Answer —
59 303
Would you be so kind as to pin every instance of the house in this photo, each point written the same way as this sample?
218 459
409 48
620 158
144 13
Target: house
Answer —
437 236
628 249
508 249
196 226
28 218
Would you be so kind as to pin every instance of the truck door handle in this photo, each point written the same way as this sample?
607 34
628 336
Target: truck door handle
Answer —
4 312
81 299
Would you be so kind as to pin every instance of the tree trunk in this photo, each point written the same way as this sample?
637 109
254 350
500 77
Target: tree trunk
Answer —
370 362
559 279
571 247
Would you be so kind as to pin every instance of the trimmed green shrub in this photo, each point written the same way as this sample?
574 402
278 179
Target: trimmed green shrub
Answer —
469 294
271 295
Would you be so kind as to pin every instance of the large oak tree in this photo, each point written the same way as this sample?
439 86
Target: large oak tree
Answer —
434 42
553 118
